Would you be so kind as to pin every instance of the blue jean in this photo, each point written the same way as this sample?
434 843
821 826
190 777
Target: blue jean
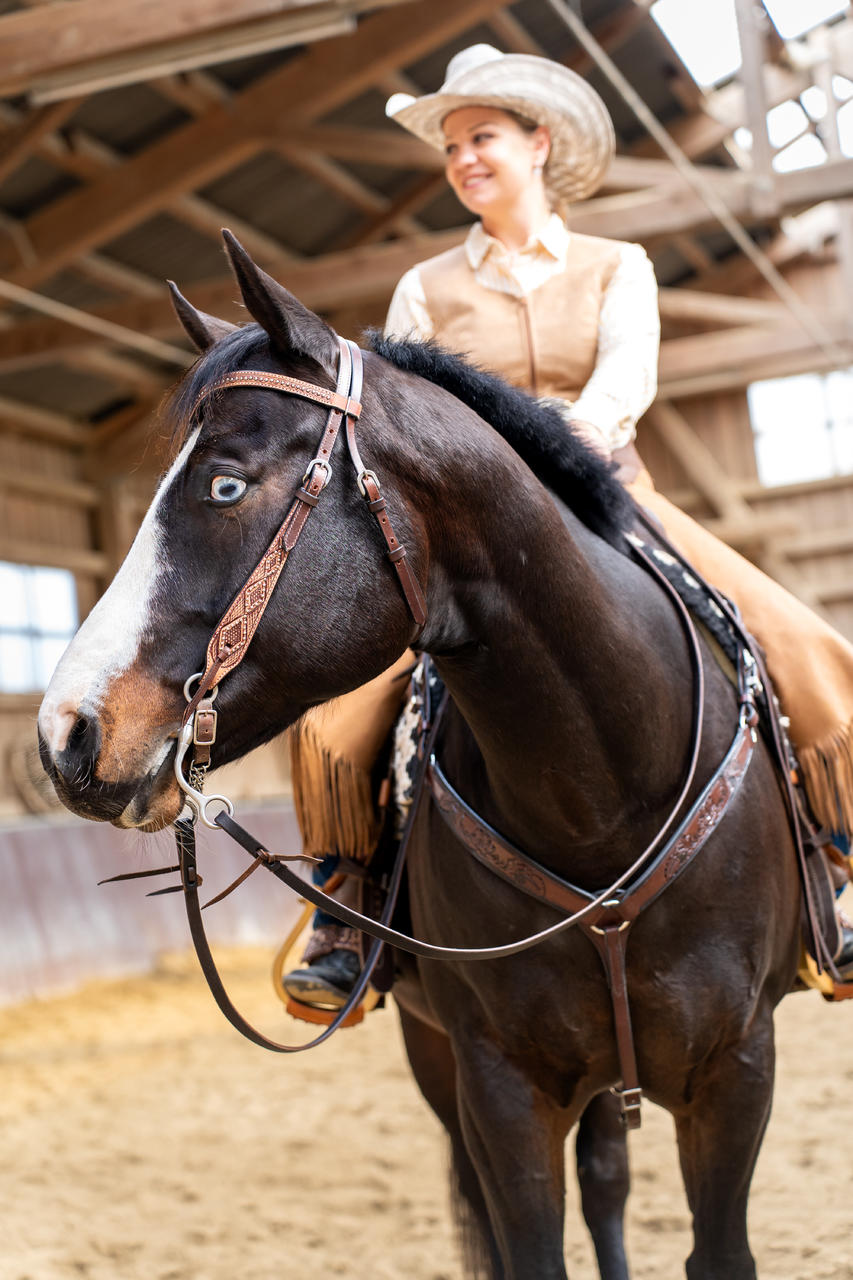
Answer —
320 873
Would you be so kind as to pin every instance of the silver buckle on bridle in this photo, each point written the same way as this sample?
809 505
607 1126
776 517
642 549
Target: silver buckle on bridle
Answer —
193 785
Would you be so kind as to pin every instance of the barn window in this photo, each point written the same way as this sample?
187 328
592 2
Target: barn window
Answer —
803 426
38 619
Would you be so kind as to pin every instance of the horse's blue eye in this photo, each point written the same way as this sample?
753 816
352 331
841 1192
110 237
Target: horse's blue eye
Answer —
227 488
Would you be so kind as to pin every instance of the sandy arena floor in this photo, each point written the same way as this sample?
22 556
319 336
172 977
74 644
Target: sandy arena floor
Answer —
144 1140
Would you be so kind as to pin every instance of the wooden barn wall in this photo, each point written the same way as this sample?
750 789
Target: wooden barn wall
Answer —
816 535
722 423
30 518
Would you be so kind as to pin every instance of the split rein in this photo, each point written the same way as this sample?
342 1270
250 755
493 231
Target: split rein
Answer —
227 648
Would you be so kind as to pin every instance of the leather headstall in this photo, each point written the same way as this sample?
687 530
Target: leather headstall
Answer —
234 631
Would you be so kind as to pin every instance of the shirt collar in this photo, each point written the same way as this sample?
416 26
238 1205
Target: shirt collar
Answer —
553 238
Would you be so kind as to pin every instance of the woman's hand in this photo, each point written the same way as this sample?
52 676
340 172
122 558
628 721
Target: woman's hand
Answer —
591 435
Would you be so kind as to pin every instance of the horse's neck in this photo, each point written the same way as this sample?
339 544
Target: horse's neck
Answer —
577 692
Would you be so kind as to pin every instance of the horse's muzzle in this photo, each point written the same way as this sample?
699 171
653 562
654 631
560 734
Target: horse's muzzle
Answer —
148 802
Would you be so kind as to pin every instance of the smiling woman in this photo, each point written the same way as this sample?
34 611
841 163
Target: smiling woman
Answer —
490 154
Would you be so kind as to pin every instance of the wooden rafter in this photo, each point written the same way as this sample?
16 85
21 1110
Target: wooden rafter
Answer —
666 212
416 195
90 35
722 111
324 77
193 210
367 274
20 143
25 419
694 306
735 357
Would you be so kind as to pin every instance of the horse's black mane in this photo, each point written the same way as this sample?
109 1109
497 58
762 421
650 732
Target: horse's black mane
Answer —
573 471
223 357
537 432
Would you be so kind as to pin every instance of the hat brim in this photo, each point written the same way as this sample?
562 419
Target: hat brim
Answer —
582 138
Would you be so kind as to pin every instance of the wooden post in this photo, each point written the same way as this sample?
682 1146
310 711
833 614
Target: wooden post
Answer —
751 35
822 71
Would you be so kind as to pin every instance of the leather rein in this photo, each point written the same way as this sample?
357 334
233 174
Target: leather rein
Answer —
605 917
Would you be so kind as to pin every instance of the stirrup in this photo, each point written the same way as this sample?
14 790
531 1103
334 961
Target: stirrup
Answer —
286 959
323 1017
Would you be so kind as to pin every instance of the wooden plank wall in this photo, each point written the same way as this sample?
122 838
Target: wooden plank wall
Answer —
58 928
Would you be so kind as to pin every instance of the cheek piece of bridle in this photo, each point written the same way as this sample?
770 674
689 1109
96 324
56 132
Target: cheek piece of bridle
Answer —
605 918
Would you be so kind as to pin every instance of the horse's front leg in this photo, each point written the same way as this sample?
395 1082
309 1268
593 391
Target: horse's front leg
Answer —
602 1163
434 1068
515 1135
719 1136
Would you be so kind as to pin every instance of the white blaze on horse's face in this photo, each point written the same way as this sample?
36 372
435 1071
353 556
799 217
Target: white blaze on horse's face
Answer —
107 644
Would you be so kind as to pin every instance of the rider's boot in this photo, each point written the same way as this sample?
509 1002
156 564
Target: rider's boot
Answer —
330 966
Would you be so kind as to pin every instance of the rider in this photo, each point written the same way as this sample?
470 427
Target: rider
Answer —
573 319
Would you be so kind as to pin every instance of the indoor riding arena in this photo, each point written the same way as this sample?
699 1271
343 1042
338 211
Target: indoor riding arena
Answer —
143 1137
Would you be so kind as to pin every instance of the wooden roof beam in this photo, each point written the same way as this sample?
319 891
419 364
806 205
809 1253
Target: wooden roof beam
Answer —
97 39
333 281
694 254
321 79
391 146
125 374
343 183
707 362
665 212
722 112
19 143
736 272
417 194
200 214
27 420
513 35
693 306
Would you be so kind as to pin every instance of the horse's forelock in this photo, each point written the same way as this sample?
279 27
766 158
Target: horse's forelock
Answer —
223 357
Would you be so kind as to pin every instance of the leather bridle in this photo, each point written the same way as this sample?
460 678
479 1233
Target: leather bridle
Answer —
234 631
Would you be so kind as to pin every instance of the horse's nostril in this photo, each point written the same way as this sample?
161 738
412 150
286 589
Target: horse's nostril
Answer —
77 736
77 758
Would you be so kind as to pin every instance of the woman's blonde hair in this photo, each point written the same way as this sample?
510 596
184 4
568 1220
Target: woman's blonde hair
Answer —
556 201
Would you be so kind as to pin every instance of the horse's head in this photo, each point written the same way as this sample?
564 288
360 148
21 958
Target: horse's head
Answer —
110 717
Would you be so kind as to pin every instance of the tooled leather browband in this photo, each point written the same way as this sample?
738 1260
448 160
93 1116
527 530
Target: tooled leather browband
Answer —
280 382
235 629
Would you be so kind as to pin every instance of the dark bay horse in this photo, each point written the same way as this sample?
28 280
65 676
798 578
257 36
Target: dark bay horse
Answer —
569 731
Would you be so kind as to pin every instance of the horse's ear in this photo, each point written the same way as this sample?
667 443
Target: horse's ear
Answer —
201 329
290 325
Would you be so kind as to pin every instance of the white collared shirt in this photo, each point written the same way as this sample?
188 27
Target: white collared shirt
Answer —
624 381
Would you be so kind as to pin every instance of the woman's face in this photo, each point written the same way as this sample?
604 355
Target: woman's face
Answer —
490 160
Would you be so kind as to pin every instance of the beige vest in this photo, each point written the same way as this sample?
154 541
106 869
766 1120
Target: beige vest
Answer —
546 342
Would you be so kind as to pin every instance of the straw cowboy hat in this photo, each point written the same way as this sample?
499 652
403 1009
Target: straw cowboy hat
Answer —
582 140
